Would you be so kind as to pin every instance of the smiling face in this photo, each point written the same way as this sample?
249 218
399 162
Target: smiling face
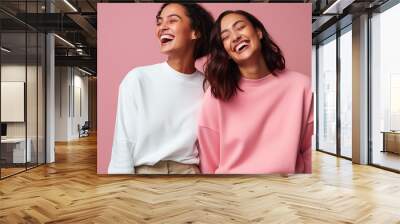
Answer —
174 31
240 39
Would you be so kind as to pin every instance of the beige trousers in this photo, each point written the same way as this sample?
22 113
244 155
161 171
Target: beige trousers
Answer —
168 167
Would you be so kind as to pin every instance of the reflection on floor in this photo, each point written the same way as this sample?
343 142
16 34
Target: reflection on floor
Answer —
386 159
347 152
11 169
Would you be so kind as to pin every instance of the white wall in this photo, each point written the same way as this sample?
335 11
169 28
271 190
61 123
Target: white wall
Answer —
12 100
9 73
15 72
61 103
33 127
80 84
70 84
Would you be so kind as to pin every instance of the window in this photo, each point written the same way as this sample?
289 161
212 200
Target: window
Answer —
22 65
327 95
346 93
385 88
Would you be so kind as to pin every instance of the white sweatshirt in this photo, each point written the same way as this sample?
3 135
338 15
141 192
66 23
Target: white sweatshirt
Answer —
156 118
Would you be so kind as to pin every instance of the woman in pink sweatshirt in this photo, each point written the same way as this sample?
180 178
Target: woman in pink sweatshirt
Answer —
257 117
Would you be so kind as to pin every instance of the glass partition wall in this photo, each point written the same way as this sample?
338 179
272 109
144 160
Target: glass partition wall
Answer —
385 89
327 95
22 87
334 94
334 90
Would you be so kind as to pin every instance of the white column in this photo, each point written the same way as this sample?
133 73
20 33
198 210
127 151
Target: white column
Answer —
50 110
50 92
360 90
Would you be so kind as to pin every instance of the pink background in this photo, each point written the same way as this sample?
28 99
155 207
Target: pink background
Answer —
126 39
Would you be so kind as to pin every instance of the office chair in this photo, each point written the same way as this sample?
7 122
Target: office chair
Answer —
84 130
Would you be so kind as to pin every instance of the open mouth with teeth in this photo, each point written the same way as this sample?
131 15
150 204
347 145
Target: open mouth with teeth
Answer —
166 38
242 46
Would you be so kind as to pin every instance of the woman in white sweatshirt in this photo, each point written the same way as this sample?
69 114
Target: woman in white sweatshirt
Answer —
156 121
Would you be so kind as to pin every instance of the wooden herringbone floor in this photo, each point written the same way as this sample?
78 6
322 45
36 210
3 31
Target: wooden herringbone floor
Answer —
70 191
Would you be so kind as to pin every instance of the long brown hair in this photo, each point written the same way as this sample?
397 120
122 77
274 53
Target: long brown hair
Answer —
222 73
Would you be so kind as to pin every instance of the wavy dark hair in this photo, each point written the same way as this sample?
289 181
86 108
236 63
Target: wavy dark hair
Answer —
222 73
201 21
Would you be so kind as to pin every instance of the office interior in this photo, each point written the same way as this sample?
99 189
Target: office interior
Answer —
48 81
48 76
356 83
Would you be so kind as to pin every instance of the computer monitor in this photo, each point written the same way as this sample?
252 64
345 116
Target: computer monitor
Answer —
3 129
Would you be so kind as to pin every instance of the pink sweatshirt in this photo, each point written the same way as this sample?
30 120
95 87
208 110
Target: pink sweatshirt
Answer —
267 128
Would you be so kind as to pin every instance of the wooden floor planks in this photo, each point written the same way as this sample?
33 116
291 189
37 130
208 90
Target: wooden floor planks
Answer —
70 191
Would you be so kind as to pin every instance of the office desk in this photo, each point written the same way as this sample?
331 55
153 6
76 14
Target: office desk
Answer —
391 141
15 148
